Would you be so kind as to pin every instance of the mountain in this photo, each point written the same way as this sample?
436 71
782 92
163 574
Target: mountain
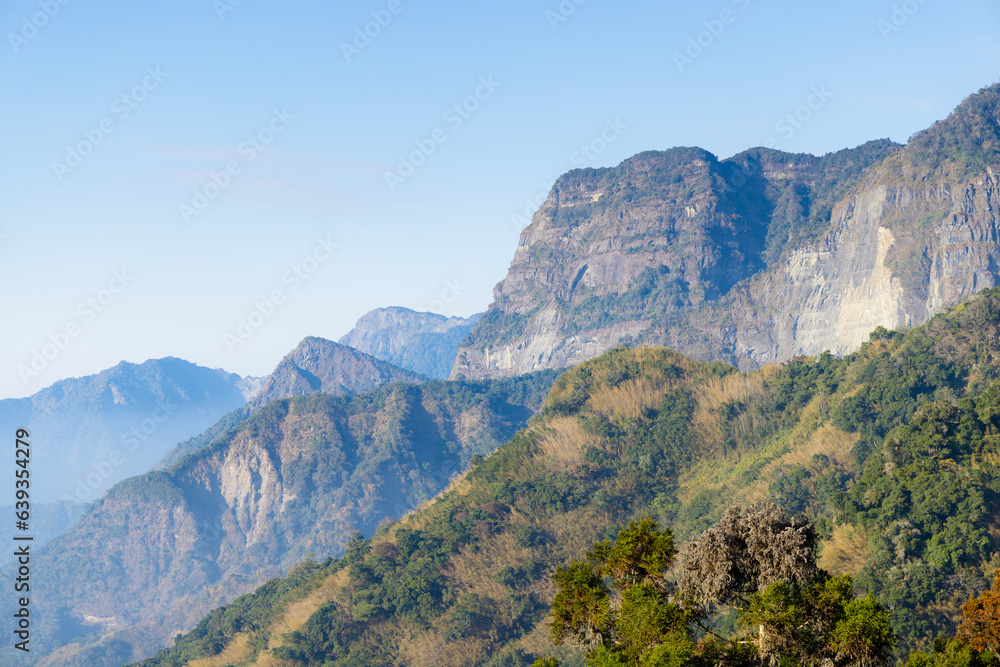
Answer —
88 433
315 365
48 521
298 476
425 343
754 259
891 451
318 365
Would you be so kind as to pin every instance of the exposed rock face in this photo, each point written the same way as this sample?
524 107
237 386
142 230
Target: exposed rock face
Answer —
754 259
318 365
425 343
161 549
862 276
90 432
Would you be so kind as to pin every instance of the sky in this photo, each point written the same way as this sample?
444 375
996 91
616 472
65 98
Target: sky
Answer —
217 179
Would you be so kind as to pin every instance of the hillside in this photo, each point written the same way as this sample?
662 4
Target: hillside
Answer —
892 451
316 365
754 259
91 432
297 477
425 343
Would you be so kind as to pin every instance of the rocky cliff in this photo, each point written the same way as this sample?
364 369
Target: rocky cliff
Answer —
319 365
753 259
425 343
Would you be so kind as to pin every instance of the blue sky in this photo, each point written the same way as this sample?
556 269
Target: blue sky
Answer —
275 125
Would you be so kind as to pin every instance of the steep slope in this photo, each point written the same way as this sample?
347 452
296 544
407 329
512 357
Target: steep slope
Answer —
753 259
317 365
892 451
299 476
425 343
90 432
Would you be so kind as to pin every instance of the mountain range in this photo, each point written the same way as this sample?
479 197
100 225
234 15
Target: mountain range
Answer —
88 433
754 259
884 439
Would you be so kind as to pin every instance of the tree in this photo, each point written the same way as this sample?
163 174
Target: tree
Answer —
756 560
745 552
762 563
980 626
643 627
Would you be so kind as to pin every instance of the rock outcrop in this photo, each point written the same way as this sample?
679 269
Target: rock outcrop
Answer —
318 365
754 259
425 343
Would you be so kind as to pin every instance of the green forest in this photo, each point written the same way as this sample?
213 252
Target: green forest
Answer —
609 531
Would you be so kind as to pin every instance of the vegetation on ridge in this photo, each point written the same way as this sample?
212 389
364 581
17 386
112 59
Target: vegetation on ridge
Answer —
906 422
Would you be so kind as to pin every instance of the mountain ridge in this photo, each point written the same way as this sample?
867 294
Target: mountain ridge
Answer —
753 259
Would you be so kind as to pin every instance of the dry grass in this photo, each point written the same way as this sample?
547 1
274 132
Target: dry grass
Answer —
629 400
270 661
747 389
845 552
828 440
420 517
298 613
431 649
237 652
564 441
474 572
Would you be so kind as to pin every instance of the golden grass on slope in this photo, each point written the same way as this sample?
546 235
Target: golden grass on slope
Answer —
726 476
629 400
237 652
828 440
419 518
430 648
564 441
746 389
298 613
845 552
474 572
271 661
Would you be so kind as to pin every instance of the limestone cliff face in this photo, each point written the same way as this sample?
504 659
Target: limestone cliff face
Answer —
754 259
895 256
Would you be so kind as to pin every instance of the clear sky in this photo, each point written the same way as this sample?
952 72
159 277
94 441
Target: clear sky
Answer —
209 151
